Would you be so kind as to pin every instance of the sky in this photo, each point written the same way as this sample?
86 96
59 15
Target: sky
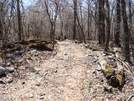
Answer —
26 2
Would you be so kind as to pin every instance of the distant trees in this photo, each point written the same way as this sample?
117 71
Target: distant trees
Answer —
83 20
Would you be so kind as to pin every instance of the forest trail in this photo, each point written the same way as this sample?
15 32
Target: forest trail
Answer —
60 79
70 75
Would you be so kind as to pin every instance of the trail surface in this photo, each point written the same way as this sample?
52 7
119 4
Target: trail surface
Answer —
67 76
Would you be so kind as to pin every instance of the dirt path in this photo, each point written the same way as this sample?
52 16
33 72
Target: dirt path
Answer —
71 75
59 79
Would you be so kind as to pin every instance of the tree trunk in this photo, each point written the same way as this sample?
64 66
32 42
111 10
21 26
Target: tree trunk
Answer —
75 17
108 25
126 31
101 22
118 20
19 19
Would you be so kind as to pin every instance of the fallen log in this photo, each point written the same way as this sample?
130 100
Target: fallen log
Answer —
114 77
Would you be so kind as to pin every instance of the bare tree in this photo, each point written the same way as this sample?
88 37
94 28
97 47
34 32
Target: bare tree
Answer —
118 20
101 21
19 20
126 31
75 18
108 25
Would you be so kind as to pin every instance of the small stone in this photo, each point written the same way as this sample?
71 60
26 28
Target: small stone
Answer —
37 84
94 71
18 52
37 69
99 68
21 60
8 64
42 97
50 97
9 69
93 91
110 57
2 70
9 80
53 70
27 48
23 82
31 96
36 54
42 94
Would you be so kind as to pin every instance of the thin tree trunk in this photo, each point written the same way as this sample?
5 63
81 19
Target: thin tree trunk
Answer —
101 22
108 25
19 20
75 17
118 20
126 31
81 29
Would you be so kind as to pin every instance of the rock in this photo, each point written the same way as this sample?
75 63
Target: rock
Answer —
99 68
2 82
10 80
52 70
2 70
21 60
37 69
39 79
18 52
23 83
50 97
94 71
42 94
93 91
31 95
9 69
33 51
8 64
110 57
37 84
27 48
42 97
36 54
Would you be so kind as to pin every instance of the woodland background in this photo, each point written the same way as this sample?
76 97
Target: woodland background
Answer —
107 22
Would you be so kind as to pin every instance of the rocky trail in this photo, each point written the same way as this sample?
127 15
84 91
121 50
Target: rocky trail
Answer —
70 73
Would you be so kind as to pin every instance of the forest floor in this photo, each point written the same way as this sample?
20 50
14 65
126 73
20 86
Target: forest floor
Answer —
70 73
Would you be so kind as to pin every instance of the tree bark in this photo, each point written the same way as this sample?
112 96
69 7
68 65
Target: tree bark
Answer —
75 18
19 20
126 31
101 22
118 20
108 25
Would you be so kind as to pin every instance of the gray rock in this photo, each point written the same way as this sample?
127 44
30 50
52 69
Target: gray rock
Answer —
37 69
9 69
10 80
52 70
93 91
99 68
37 84
42 94
31 95
41 97
36 54
2 70
94 71
8 64
18 52
27 48
110 57
39 79
33 51
21 60
50 97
